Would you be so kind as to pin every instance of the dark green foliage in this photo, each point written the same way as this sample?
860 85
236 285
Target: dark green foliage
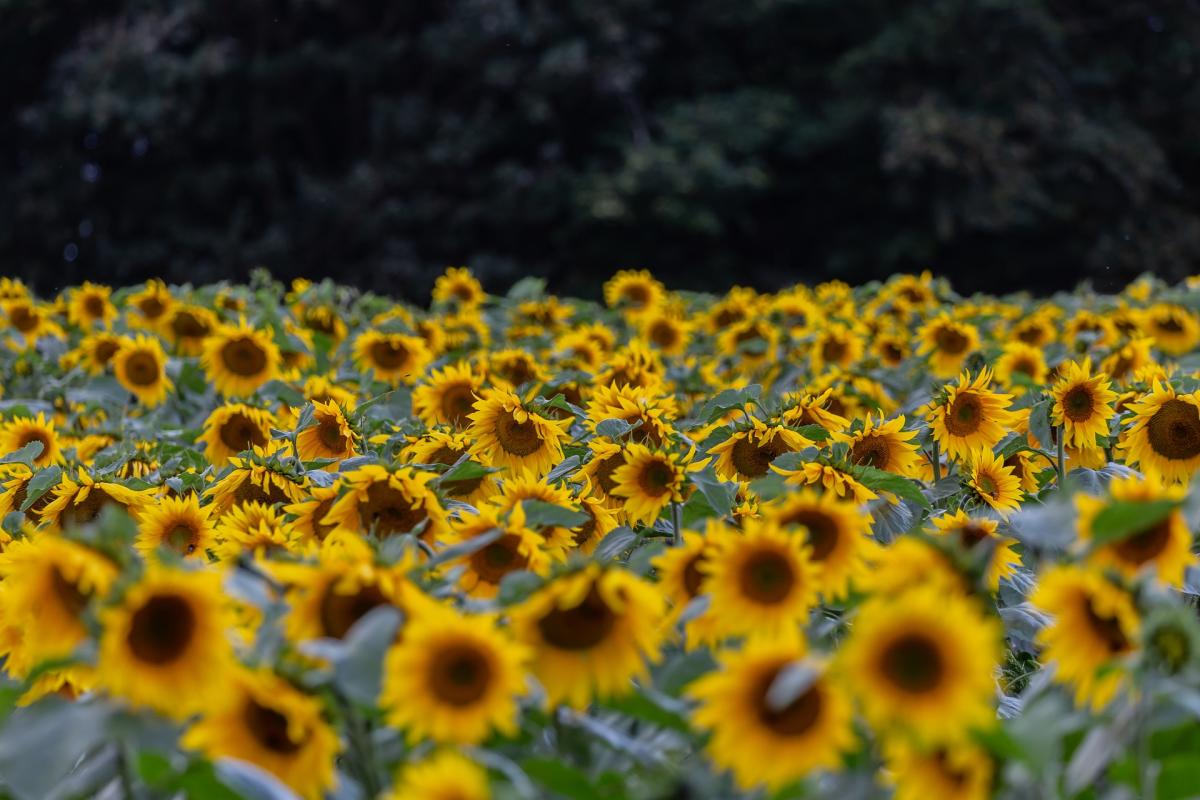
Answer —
1009 144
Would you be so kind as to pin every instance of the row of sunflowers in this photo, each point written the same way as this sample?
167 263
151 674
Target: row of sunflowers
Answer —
271 542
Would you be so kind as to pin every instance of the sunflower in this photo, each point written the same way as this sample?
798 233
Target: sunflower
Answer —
667 332
393 358
508 434
234 428
947 343
141 367
518 548
447 447
650 481
749 451
18 432
521 486
835 531
446 775
266 721
447 396
835 480
597 473
970 416
836 345
1164 546
258 529
601 522
961 771
388 503
992 482
80 500
31 320
325 320
679 575
14 480
320 387
149 306
591 632
882 445
90 305
187 326
768 740
308 513
238 359
1174 328
1087 329
257 475
1094 628
1083 404
164 645
179 524
458 287
1020 359
751 342
48 584
809 409
891 348
329 436
1125 361
1164 439
453 678
1035 330
95 351
923 662
1025 470
971 532
763 581
635 292
326 599
651 410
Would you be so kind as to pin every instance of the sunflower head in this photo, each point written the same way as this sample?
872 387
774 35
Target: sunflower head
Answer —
509 434
141 367
234 428
238 359
445 775
649 480
178 524
329 436
992 482
1164 438
19 432
459 288
947 342
969 416
447 396
634 291
393 358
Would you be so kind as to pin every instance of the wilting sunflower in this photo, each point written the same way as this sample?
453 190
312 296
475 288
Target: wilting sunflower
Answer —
923 662
836 532
394 358
328 437
993 482
650 480
141 367
164 646
1165 546
149 306
238 359
763 581
651 410
446 775
971 416
834 480
187 326
234 428
768 740
1094 630
389 502
961 771
447 396
49 582
90 305
457 286
808 409
635 291
510 435
518 548
266 721
1174 328
21 431
453 678
947 343
1164 438
79 500
591 632
179 524
750 449
971 532
1083 404
882 445
1025 361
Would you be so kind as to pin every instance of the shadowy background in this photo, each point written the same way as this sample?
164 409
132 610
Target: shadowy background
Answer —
1008 145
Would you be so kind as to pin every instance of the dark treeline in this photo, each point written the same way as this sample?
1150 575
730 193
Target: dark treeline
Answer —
1006 144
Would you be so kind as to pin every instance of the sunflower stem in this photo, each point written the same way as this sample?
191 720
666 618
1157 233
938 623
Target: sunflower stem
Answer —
936 462
1059 445
676 524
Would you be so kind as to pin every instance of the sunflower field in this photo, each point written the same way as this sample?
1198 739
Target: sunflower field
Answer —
262 541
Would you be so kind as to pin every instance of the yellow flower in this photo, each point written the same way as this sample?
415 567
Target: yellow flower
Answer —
393 357
1174 328
187 326
667 332
141 367
808 409
270 723
457 286
749 451
149 306
79 501
386 503
650 481
446 775
234 428
993 482
238 359
883 445
971 416
1021 359
961 771
651 410
1164 439
90 305
636 292
836 345
453 678
18 432
764 740
510 435
176 523
836 481
970 532
1083 404
923 663
836 532
328 437
447 396
518 548
947 343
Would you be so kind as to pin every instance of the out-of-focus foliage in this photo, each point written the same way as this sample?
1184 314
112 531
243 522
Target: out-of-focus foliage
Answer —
1033 142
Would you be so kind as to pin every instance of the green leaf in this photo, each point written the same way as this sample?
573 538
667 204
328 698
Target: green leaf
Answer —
539 514
615 428
358 670
468 547
39 484
25 455
879 480
516 586
615 542
568 465
561 778
1120 519
718 493
465 470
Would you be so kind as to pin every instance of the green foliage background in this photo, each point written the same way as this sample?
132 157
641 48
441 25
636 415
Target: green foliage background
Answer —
1007 144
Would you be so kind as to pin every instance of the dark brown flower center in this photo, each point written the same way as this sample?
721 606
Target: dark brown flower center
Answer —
1174 430
965 415
1143 546
329 430
579 628
389 354
161 630
389 511
23 318
68 593
834 350
339 612
655 478
94 306
913 663
458 400
693 578
767 577
187 325
664 334
794 719
951 340
1107 629
972 534
270 728
151 307
605 470
871 451
517 438
753 460
104 351
498 559
460 675
243 357
823 531
141 369
239 433
1078 404
89 509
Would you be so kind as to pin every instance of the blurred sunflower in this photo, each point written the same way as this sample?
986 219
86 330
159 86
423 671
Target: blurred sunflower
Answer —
447 396
140 365
328 437
234 428
974 533
458 287
386 502
149 306
394 358
178 524
947 343
259 530
187 326
445 775
517 548
835 480
634 291
649 409
238 359
962 771
882 445
1021 365
89 305
79 500
836 533
836 345
1174 328
257 475
18 432
1164 545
